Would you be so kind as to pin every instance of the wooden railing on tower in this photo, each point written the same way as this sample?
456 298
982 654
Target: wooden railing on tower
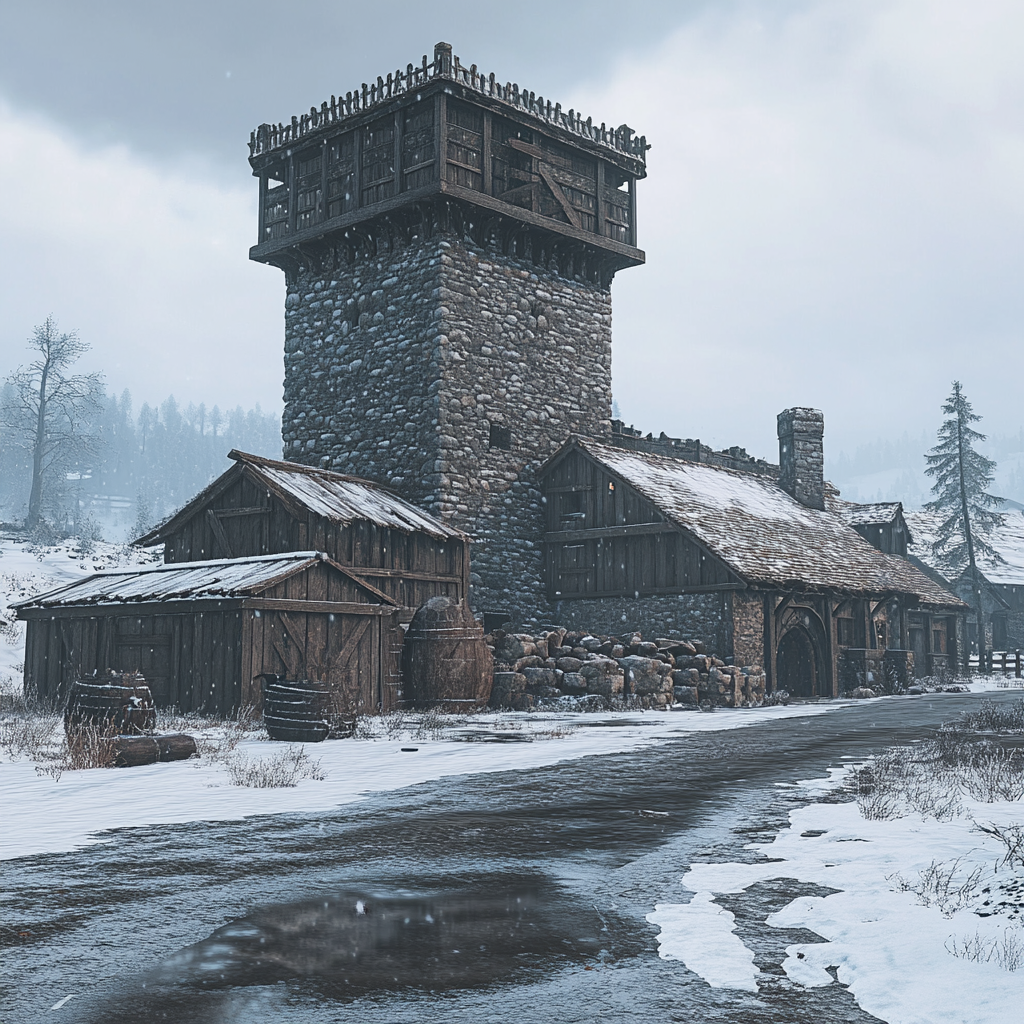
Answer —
270 137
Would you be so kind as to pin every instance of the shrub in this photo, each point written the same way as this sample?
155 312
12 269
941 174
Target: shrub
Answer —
285 770
1007 952
941 885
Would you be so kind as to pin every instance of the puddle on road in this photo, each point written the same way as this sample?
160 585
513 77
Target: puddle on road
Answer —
358 942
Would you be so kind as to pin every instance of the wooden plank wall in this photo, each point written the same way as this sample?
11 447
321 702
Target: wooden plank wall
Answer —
586 506
192 660
410 568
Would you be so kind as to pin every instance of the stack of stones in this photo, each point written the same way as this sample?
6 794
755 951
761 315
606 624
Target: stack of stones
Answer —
576 670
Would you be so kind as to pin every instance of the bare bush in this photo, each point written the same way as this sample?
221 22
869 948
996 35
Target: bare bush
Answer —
992 717
28 734
216 738
283 770
1007 952
900 781
1012 838
942 885
994 774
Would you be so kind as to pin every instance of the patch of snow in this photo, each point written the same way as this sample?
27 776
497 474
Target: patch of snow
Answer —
703 936
886 945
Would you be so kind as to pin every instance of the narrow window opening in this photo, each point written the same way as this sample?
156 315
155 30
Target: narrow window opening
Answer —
500 437
496 620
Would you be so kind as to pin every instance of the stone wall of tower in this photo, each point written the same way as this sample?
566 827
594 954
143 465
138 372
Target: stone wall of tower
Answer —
398 365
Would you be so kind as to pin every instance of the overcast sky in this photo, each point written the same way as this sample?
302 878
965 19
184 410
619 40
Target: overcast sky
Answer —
834 214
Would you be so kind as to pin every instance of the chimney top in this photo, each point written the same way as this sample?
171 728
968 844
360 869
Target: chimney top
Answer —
802 455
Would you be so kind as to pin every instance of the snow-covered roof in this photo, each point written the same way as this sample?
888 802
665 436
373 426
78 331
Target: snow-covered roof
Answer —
880 513
760 531
334 496
184 581
1007 539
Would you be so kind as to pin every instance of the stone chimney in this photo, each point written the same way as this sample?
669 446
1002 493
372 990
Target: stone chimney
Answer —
802 455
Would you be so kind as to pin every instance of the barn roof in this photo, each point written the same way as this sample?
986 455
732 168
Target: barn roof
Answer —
334 496
1007 539
760 531
188 581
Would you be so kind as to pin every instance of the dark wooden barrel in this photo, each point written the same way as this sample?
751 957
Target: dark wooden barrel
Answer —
304 712
118 703
445 662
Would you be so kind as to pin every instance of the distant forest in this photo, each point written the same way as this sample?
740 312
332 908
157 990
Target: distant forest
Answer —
893 469
146 464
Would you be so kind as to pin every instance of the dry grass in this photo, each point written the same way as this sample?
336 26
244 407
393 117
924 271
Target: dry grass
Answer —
943 885
933 778
1007 952
283 770
216 737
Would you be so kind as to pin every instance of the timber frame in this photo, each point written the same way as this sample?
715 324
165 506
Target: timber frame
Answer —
441 147
605 540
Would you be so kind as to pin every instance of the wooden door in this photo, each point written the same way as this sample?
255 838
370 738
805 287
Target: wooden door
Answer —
139 647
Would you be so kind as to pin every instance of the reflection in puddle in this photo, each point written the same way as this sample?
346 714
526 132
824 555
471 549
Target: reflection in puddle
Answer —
356 942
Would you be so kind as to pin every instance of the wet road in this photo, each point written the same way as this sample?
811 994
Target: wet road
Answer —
502 897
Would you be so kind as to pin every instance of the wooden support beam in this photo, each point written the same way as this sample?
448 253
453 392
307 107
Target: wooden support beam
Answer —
219 533
281 604
249 510
633 530
485 155
405 574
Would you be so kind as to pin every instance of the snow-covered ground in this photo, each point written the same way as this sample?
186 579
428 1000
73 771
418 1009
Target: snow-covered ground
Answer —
42 814
925 927
29 569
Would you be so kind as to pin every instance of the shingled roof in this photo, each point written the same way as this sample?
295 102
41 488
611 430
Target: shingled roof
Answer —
760 531
879 513
335 496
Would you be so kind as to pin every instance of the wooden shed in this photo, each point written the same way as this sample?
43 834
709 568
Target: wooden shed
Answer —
263 506
203 633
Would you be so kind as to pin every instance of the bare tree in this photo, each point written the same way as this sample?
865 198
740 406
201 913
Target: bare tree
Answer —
48 408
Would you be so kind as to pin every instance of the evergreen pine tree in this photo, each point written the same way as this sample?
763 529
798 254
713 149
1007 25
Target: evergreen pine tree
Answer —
962 478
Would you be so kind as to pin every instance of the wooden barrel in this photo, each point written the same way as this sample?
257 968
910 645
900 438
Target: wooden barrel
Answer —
445 662
119 703
304 712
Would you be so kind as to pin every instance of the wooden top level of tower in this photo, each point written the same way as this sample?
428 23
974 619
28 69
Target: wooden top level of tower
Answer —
440 131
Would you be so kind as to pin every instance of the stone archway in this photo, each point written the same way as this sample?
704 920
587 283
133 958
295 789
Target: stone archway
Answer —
798 667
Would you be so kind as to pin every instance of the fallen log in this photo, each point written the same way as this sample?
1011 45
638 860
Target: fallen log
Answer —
132 751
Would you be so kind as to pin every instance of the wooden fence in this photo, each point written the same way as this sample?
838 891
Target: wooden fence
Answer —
997 662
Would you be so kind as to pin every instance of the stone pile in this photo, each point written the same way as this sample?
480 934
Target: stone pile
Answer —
564 668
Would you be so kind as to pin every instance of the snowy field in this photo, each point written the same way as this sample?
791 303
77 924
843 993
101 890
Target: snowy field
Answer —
925 926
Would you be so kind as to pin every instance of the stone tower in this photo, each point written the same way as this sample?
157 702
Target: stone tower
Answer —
449 244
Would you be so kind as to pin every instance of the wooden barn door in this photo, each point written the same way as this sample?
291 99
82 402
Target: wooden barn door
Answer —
343 650
141 647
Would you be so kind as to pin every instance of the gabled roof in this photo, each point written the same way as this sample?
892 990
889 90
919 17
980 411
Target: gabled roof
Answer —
190 581
334 496
880 513
760 531
1007 539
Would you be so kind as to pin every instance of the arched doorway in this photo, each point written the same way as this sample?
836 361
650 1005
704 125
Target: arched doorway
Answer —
797 665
